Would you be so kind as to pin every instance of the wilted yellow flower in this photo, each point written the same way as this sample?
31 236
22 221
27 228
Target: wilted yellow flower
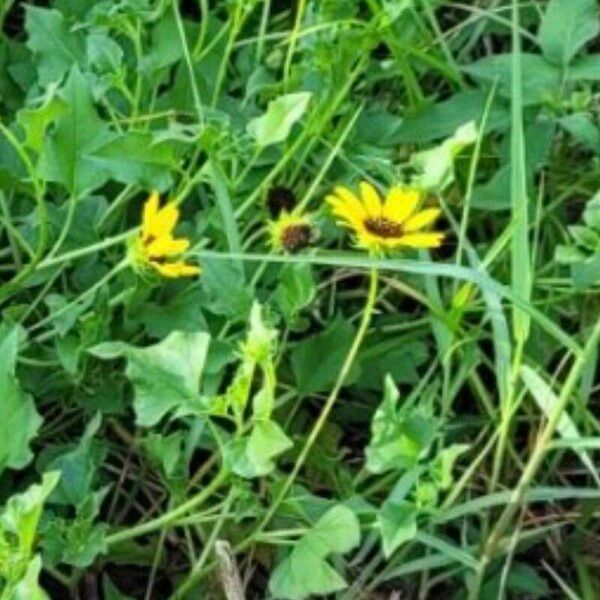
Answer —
381 225
156 244
290 232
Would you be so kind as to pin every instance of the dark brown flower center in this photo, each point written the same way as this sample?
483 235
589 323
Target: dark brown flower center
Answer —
296 237
382 227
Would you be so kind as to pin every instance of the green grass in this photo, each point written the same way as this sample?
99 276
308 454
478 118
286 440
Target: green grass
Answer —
323 423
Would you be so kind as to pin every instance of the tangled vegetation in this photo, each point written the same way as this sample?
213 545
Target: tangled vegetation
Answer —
299 299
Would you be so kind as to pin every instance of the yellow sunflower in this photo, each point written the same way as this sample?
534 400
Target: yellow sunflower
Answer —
156 245
381 225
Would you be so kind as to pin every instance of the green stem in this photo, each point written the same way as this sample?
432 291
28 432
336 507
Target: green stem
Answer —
170 516
322 419
293 41
535 460
189 581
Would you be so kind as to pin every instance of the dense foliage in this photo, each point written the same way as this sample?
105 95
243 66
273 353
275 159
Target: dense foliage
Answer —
299 299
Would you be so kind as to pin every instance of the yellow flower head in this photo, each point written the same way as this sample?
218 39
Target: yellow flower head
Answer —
381 225
290 232
156 244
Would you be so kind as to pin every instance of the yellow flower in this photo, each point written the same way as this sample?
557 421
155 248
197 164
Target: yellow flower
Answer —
385 225
156 244
290 232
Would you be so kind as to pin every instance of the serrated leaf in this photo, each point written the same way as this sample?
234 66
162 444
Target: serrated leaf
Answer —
566 27
35 121
135 158
56 47
282 113
305 572
78 132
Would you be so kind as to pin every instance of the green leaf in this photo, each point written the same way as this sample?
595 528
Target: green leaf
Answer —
28 588
566 27
218 279
541 80
78 132
22 513
56 47
35 121
398 524
582 127
78 467
399 436
165 376
443 464
435 167
591 214
19 418
317 360
295 290
546 400
305 572
253 456
19 569
399 358
440 120
282 113
134 157
78 541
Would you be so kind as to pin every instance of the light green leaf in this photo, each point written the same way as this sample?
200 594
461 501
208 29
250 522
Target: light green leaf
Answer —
546 400
435 167
165 376
566 27
398 523
28 588
399 437
275 125
18 416
591 214
305 572
253 456
35 121
443 464
19 569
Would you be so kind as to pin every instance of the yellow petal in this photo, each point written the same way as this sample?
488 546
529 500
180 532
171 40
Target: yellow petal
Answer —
176 269
167 246
371 199
149 212
421 219
350 209
400 203
164 221
421 240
